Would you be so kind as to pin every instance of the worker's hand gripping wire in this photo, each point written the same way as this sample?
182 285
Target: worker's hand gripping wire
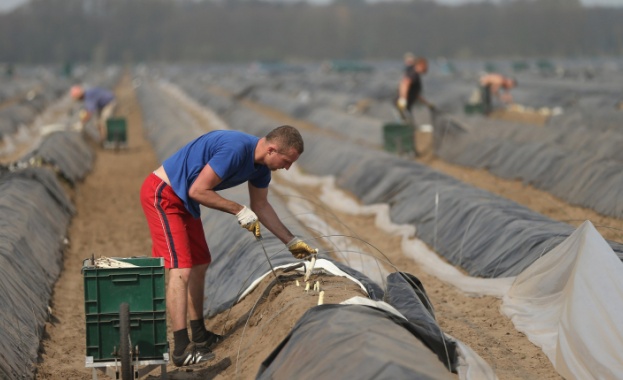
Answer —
249 221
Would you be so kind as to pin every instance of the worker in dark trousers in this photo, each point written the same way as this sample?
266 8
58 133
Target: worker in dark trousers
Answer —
410 90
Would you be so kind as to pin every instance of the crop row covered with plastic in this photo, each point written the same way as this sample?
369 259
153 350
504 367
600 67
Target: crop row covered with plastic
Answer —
486 235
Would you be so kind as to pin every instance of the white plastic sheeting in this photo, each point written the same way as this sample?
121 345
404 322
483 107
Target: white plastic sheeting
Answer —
343 246
238 261
559 308
411 246
575 290
570 303
322 265
586 295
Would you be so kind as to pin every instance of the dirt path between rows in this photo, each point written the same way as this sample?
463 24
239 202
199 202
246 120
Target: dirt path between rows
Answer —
110 222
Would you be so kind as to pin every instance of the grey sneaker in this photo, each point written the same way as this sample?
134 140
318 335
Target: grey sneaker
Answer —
211 342
193 355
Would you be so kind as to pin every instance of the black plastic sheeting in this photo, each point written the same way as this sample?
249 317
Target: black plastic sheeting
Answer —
35 215
67 152
576 159
406 293
162 123
238 260
356 342
26 95
486 235
15 116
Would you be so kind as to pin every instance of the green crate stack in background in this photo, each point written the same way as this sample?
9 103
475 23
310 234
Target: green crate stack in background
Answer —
116 131
143 288
399 138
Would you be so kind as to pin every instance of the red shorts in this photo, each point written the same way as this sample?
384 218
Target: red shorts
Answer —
176 236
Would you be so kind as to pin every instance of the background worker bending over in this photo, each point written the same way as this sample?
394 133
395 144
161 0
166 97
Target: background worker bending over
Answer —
97 102
496 86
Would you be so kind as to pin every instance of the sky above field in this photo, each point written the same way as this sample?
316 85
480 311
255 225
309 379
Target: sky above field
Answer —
7 5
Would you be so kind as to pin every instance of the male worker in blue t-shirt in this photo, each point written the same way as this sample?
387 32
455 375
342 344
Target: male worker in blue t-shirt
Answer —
171 196
98 102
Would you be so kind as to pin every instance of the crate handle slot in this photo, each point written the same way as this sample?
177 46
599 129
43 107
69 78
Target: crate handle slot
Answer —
124 278
136 322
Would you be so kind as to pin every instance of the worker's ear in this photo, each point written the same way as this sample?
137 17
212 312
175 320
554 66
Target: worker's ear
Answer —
274 146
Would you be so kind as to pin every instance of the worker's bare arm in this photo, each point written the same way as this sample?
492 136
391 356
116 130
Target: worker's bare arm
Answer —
202 191
267 215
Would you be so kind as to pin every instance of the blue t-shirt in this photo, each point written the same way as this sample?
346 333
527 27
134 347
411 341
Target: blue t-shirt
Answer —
231 155
95 99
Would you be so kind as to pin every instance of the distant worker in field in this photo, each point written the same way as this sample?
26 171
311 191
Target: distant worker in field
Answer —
410 88
171 197
496 86
99 104
409 60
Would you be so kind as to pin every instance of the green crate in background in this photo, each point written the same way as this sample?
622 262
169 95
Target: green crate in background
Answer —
142 287
148 331
399 138
116 130
471 109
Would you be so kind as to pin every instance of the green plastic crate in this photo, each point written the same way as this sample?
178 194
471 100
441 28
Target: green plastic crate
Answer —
399 138
116 130
471 109
142 287
148 331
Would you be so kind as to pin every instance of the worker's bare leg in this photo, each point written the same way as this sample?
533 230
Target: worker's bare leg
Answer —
106 114
102 130
196 286
177 289
185 294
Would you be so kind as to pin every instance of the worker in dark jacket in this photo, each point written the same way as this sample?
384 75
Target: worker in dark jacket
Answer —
410 89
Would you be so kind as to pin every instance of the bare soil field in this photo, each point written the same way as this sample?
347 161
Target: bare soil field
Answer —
110 222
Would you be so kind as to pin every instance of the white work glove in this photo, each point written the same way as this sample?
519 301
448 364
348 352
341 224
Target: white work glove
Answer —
299 249
402 103
249 221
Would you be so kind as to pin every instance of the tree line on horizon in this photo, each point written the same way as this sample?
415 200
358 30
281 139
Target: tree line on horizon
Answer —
109 31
